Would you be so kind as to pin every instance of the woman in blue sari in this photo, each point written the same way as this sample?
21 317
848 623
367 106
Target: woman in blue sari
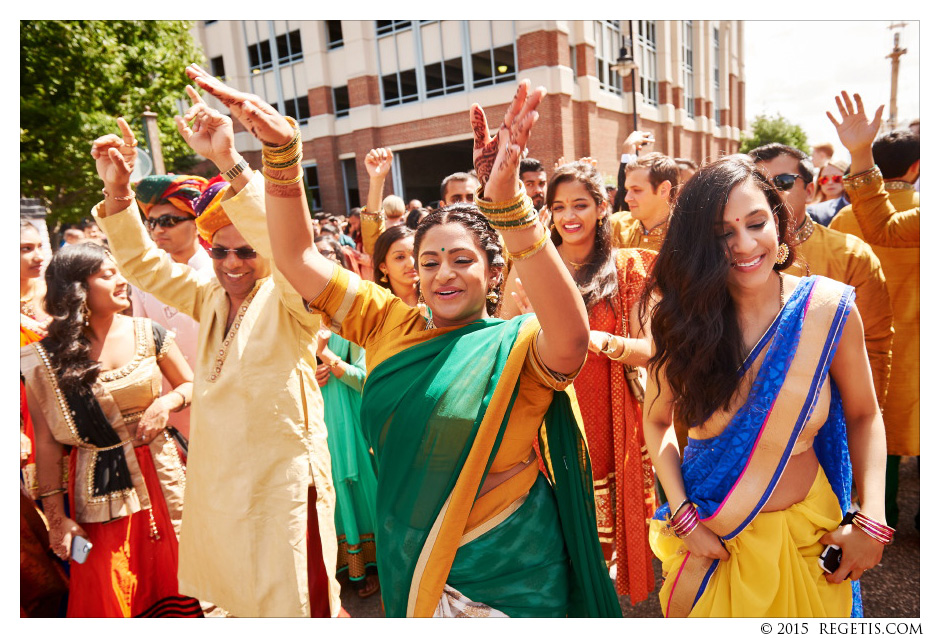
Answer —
770 370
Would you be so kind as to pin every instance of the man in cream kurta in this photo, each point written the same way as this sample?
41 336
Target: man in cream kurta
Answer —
258 439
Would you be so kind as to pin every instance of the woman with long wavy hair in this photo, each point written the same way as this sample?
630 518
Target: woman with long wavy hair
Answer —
610 282
93 383
771 374
466 524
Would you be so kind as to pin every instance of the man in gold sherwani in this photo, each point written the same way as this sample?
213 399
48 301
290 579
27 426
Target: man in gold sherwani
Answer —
897 157
650 184
827 252
258 535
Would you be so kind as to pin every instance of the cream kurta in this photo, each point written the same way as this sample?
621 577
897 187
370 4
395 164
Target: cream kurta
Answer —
902 273
257 433
848 259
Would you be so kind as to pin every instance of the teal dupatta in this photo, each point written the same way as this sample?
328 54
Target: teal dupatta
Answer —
421 412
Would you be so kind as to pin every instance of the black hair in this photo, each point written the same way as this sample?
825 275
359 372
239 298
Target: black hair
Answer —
895 152
530 165
699 345
769 152
335 247
66 302
596 280
382 245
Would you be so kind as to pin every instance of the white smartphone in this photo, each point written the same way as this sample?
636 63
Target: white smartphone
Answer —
80 548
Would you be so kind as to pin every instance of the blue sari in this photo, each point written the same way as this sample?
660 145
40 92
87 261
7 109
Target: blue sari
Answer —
731 476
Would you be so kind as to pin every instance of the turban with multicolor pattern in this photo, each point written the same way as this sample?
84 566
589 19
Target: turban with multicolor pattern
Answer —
210 216
181 191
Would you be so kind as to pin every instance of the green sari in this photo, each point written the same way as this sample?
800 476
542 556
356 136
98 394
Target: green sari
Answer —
434 441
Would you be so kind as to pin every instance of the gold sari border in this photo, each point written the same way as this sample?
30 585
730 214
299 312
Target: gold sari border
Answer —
494 522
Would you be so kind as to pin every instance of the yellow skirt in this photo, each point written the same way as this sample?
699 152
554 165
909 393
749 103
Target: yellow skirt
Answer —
773 570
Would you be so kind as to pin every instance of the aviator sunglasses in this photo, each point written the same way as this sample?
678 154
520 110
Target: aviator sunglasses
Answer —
835 179
785 181
242 252
166 221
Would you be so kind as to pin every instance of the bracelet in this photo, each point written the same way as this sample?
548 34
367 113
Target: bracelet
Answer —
522 223
58 490
182 396
235 171
335 363
367 214
681 505
273 147
532 250
282 182
282 165
488 208
608 351
687 522
881 533
125 198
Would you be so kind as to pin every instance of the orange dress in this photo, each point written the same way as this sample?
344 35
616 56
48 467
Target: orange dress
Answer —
613 423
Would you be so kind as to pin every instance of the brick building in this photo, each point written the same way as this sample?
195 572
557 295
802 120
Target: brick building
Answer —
408 85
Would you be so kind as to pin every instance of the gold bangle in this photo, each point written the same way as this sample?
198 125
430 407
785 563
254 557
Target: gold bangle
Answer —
499 207
274 148
58 490
532 250
281 182
124 198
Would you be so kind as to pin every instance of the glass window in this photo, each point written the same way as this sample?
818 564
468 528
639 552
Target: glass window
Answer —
259 56
716 80
341 101
334 34
687 68
645 52
350 181
217 67
494 66
298 108
383 27
607 41
289 48
313 187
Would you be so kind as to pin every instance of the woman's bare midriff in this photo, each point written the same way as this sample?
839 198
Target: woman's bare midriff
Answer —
495 478
795 483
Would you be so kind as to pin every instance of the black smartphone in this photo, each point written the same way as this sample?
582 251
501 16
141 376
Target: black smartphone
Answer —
831 555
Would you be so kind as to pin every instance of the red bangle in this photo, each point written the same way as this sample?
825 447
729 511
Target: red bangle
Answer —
881 533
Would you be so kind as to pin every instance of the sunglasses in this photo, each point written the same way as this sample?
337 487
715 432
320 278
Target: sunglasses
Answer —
242 252
166 221
835 179
785 181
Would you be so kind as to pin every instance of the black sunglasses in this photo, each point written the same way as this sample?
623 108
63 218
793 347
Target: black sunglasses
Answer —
785 181
242 252
166 221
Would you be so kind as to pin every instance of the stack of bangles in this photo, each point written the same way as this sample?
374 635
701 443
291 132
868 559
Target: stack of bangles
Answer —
283 157
881 533
684 521
515 214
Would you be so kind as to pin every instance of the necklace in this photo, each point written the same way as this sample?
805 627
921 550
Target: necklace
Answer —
805 230
780 275
576 266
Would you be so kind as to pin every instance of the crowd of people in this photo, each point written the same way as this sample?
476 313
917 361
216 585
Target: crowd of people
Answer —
504 404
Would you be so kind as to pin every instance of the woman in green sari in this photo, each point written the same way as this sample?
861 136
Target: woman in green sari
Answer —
466 524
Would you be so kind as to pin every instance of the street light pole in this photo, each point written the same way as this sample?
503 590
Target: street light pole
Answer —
895 57
627 64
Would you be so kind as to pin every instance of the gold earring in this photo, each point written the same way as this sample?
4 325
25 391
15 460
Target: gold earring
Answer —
384 278
86 313
492 296
783 251
600 221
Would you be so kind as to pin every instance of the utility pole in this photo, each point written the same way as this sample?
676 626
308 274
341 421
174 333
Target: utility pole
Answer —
895 57
152 135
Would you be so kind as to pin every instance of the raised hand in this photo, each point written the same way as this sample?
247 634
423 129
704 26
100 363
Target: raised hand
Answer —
855 131
207 131
115 157
379 162
502 171
486 148
256 115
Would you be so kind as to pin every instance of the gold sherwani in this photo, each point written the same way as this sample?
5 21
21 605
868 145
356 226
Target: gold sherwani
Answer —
848 259
627 232
258 439
902 272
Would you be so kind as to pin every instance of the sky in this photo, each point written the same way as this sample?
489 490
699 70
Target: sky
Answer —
825 58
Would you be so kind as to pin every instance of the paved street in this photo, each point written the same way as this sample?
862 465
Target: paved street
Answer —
891 590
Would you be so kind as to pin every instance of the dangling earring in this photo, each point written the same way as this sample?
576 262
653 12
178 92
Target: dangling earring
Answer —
783 251
384 278
430 324
600 221
86 313
492 296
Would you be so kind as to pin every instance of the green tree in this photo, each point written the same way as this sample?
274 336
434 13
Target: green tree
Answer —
766 129
76 76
